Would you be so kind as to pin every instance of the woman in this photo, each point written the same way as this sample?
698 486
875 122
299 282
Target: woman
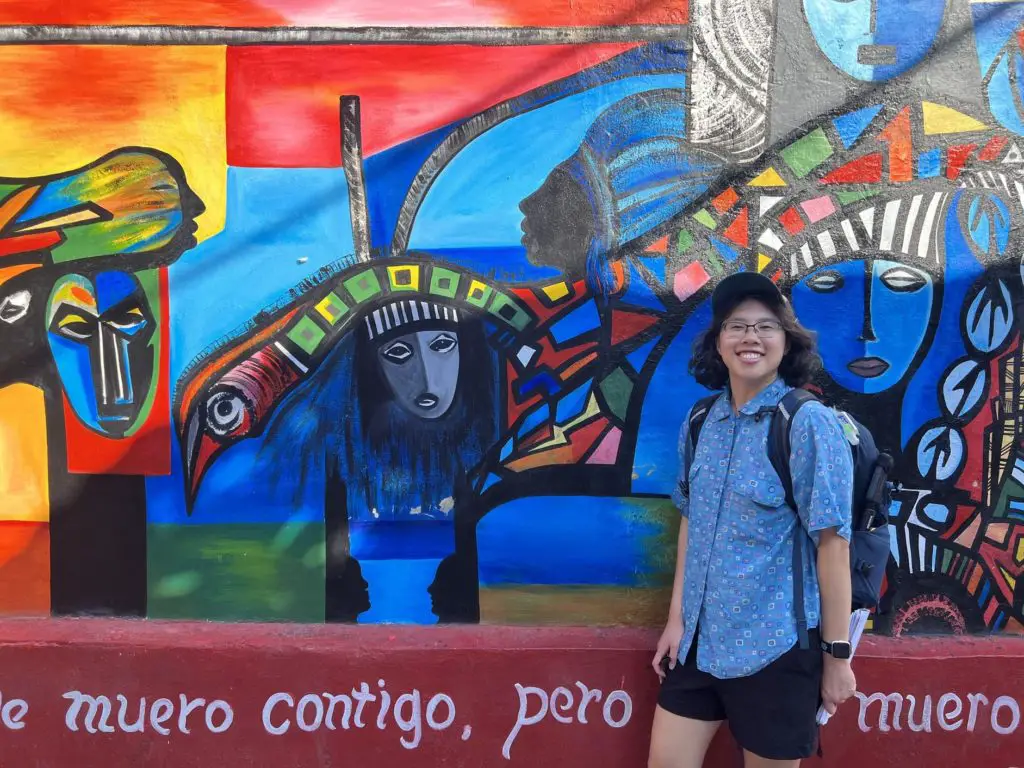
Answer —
730 648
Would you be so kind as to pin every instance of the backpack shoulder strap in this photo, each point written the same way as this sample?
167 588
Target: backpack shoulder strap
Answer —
698 415
779 439
778 455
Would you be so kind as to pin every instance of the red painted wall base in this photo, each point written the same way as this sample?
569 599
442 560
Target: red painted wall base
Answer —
109 692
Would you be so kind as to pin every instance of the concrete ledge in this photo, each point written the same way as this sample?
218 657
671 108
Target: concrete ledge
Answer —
72 692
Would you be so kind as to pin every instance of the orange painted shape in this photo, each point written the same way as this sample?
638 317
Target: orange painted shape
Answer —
15 204
658 246
726 200
24 568
739 231
82 296
24 471
974 579
897 134
11 272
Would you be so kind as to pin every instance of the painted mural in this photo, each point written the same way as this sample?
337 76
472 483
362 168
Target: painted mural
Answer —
397 330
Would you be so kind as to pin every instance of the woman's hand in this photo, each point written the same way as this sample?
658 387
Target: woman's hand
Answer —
838 683
668 647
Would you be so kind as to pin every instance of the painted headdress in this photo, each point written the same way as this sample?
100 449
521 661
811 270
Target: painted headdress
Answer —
638 169
231 393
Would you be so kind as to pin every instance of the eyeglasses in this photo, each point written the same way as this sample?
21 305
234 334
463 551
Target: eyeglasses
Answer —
763 328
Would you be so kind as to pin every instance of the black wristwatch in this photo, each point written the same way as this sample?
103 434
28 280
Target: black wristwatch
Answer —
840 649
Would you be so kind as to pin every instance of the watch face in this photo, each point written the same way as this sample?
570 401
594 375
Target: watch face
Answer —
841 650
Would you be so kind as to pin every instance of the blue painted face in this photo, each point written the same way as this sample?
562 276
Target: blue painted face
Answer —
99 331
875 40
1000 54
847 304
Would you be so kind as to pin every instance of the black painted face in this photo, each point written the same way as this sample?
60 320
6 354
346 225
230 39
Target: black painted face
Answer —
24 355
558 224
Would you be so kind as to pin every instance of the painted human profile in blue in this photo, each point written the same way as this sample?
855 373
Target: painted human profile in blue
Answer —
998 29
99 329
875 40
849 304
634 170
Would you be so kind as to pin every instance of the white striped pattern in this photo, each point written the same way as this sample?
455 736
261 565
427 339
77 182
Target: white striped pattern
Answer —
913 234
407 312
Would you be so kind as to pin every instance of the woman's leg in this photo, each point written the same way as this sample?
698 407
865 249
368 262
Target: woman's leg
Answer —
750 760
679 742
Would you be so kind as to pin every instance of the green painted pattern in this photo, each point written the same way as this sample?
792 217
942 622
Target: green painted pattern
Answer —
238 572
806 154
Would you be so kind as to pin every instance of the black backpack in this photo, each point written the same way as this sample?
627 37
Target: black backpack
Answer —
872 494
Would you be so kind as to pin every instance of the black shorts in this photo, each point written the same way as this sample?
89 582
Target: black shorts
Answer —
770 713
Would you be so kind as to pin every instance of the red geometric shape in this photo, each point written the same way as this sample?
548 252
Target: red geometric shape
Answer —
626 325
539 435
863 170
148 451
791 220
992 149
283 13
34 241
658 246
777 276
689 280
726 200
282 101
897 135
958 155
739 230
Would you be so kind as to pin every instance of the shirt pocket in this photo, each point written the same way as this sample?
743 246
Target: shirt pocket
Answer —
766 494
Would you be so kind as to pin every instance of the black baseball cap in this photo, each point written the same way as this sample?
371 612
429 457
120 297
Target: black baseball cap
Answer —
746 285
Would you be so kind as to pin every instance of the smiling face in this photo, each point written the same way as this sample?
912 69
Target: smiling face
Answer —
752 343
848 303
422 370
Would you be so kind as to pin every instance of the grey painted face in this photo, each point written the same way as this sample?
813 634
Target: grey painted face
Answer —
422 369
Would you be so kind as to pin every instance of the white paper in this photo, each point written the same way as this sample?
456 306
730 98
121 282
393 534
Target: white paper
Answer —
858 620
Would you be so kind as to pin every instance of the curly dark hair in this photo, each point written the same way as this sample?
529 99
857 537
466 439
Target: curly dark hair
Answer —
798 367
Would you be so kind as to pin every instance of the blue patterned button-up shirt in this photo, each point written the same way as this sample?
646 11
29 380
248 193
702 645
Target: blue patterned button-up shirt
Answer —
738 578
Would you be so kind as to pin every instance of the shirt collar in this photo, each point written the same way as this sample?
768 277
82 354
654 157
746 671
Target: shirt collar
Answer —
768 397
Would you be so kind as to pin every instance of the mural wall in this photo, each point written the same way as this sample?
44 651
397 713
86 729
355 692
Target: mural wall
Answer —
395 328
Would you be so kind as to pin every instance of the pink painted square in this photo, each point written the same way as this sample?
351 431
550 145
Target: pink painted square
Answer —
689 280
818 208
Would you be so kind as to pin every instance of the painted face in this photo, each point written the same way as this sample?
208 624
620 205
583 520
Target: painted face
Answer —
99 331
422 369
849 305
874 40
752 343
999 37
